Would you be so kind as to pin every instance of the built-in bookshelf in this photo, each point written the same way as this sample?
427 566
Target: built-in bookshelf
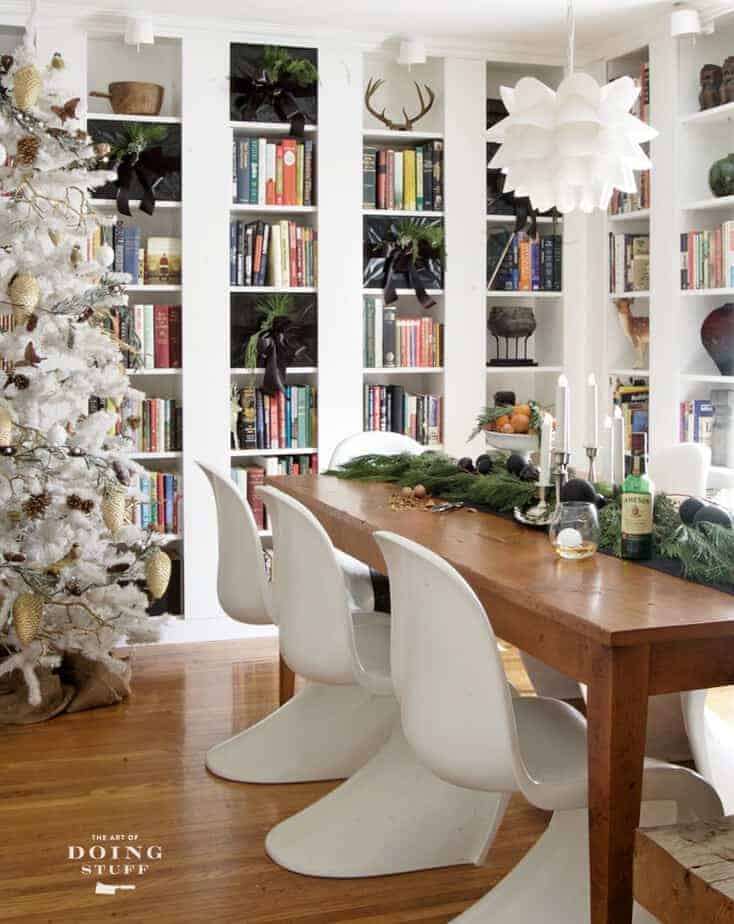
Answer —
403 185
148 247
627 249
273 248
524 276
704 225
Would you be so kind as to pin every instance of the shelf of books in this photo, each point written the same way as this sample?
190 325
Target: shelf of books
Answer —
147 248
524 272
403 213
273 250
706 245
627 305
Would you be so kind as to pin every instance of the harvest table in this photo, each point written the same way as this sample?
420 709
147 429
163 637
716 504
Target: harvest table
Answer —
625 630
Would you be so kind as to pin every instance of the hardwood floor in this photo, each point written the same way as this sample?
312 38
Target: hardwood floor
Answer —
139 769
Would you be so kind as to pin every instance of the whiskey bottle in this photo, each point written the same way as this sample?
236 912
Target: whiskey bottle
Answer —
637 504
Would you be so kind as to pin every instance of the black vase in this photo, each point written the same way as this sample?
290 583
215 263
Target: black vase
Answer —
717 336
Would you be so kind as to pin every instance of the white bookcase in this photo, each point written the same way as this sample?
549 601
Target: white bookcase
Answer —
577 332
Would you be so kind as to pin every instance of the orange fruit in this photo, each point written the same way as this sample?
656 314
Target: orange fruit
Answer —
520 423
501 421
507 428
522 409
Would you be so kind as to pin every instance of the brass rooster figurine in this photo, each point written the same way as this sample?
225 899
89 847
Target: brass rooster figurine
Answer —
636 330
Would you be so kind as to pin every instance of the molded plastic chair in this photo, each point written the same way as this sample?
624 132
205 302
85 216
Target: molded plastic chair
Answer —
314 736
681 469
393 815
462 722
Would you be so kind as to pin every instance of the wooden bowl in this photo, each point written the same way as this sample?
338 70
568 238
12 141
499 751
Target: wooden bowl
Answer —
133 97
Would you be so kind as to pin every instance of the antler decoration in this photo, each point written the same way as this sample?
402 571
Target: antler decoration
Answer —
374 84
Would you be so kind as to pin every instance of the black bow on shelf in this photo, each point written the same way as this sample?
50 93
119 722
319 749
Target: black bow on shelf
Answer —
255 88
400 260
149 166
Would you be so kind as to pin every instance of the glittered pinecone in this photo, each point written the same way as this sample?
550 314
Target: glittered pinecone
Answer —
37 505
27 86
27 150
6 427
24 292
157 573
113 509
20 381
27 616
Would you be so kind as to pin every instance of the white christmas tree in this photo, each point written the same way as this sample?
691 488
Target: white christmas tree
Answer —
70 562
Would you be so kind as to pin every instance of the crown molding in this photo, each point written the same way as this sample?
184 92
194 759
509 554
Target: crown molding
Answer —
98 20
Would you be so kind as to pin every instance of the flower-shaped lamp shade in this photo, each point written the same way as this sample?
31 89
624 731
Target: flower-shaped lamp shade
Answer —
571 148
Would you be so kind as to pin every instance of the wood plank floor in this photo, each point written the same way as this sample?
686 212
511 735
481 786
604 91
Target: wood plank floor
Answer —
139 769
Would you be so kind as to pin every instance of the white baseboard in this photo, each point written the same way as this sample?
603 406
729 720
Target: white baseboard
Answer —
217 629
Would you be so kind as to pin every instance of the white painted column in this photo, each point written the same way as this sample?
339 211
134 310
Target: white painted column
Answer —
339 178
205 300
666 349
465 181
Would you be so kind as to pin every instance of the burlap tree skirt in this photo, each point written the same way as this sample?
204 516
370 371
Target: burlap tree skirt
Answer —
80 684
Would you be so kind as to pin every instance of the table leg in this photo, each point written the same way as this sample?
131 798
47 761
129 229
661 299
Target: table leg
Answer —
287 681
617 722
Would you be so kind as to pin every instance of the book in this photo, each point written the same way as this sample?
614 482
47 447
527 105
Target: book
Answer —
163 260
162 343
389 357
369 177
255 477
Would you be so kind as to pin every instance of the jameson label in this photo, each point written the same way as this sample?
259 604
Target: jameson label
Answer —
636 514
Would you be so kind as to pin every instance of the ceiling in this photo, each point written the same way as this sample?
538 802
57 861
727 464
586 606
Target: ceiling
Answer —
537 22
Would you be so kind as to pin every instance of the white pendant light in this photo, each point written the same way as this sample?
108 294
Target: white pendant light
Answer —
570 148
139 31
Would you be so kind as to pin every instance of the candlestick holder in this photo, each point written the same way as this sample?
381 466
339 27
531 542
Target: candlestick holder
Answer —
539 514
561 461
591 453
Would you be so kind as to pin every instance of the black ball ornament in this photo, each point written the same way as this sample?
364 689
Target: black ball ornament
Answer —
8 451
601 501
710 514
76 452
578 489
466 464
689 508
515 464
530 472
484 464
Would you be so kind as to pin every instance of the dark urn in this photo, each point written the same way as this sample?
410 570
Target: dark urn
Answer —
721 176
511 323
717 336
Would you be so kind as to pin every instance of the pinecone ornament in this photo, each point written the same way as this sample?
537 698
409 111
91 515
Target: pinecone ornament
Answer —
27 86
25 294
57 62
36 505
27 616
157 573
27 150
6 427
113 509
76 257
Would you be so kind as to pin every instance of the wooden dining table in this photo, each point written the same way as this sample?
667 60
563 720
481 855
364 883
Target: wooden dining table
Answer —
626 630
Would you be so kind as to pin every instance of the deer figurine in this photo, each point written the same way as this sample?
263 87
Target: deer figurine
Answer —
636 330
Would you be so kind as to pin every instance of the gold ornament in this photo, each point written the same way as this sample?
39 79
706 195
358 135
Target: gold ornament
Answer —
27 616
75 257
14 517
57 62
27 86
157 573
113 509
25 294
6 427
27 150
56 236
71 556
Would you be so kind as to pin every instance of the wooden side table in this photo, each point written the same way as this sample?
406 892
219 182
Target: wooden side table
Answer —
684 874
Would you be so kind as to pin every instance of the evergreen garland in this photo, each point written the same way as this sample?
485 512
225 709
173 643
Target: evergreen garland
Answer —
704 553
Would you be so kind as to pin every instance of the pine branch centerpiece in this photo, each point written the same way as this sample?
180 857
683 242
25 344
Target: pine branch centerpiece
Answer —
70 574
696 538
